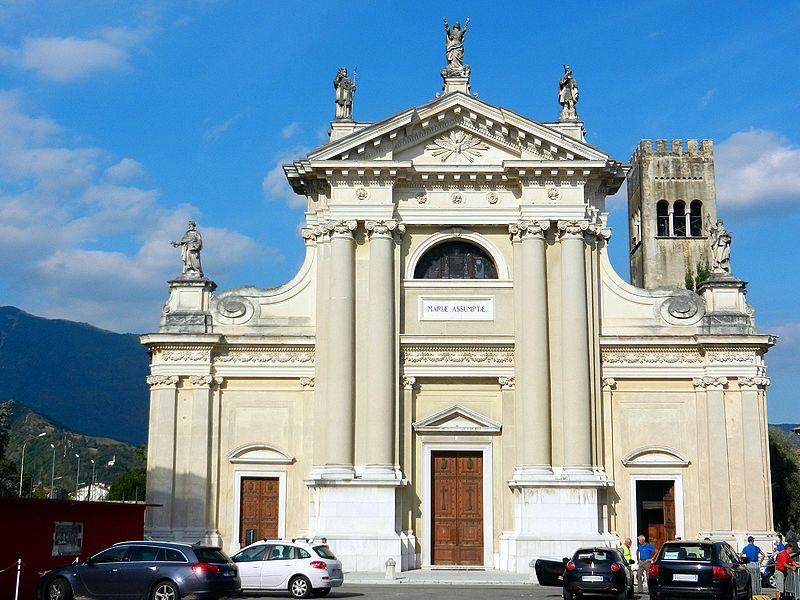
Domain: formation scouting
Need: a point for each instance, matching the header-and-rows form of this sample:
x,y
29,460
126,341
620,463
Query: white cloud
x,y
757,168
125,170
275,185
290,130
789,334
213,133
85,245
706,98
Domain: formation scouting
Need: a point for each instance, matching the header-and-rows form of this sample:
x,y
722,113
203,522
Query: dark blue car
x,y
145,570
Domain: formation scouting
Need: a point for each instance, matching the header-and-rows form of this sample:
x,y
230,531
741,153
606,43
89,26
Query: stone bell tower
x,y
671,204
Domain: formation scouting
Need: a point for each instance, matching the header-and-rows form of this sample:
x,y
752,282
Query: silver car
x,y
298,566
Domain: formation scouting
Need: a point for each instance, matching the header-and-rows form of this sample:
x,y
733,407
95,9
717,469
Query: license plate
x,y
227,573
337,573
681,577
592,578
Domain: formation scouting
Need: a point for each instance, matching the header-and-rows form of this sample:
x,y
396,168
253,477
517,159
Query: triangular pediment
x,y
457,419
457,129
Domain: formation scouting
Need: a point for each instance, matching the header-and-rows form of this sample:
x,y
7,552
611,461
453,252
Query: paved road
x,y
461,592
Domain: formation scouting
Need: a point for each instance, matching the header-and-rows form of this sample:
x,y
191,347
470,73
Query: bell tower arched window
x,y
662,219
679,219
455,260
696,219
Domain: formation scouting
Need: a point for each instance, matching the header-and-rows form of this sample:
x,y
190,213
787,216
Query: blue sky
x,y
121,120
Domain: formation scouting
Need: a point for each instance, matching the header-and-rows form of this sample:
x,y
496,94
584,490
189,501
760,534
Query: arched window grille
x,y
455,260
679,219
662,219
696,218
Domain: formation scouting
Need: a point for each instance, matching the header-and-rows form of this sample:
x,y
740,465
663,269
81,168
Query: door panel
x,y
259,509
457,523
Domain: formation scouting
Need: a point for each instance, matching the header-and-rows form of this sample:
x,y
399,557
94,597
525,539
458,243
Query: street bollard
x,y
532,570
19,569
390,565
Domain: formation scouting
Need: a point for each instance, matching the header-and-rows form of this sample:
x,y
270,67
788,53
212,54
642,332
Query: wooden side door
x,y
457,523
259,509
669,512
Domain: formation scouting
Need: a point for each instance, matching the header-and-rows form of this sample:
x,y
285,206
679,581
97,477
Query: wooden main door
x,y
258,509
457,522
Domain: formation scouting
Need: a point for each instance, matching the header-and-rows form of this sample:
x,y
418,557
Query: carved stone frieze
x,y
713,383
521,229
651,356
753,382
492,197
307,382
362,194
162,380
458,355
724,356
178,354
272,355
457,198
458,144
506,383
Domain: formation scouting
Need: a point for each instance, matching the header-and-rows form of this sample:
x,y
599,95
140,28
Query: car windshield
x,y
596,555
210,555
695,552
324,552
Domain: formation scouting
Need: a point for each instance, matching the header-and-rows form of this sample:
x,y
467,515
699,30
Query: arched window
x,y
662,219
679,219
696,219
455,260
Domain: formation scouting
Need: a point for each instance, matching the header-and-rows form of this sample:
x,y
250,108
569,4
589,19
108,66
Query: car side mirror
x,y
89,562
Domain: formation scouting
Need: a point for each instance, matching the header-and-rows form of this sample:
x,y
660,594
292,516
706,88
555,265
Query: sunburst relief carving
x,y
460,144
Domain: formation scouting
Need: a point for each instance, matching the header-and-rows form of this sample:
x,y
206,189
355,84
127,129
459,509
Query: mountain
x,y
111,458
88,379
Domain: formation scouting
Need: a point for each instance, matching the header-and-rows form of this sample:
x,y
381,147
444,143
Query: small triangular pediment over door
x,y
457,420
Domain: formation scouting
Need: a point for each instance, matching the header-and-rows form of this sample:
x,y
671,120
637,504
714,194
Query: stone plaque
x,y
456,309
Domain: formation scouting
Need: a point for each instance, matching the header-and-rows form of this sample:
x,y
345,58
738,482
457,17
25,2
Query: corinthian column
x,y
575,345
341,344
381,354
531,365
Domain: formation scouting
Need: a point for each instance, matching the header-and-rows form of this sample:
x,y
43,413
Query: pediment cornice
x,y
457,419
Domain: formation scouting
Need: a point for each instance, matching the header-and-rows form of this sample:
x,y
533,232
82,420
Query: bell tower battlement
x,y
671,200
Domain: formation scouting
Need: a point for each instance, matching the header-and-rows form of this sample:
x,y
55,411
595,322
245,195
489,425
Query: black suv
x,y
137,570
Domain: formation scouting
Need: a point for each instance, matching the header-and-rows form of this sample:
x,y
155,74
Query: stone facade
x,y
575,390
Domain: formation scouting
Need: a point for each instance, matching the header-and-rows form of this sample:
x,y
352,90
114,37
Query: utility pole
x,y
22,463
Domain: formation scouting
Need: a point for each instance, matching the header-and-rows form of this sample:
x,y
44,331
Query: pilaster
x,y
161,455
756,482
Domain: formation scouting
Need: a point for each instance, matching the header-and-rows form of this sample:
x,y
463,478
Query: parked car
x,y
601,571
768,573
695,569
145,569
302,567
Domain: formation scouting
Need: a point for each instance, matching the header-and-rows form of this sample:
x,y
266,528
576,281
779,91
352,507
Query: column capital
x,y
162,381
334,228
526,229
609,383
506,383
312,233
205,380
384,228
409,382
711,383
307,382
753,382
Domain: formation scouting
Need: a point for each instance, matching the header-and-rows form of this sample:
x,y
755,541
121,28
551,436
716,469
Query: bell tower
x,y
671,204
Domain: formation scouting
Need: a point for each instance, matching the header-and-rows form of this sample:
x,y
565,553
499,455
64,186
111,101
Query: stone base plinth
x,y
190,535
360,520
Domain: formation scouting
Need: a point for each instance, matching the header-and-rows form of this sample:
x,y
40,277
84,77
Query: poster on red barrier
x,y
67,538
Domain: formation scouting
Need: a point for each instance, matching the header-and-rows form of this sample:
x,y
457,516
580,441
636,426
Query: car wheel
x,y
568,595
59,589
321,592
771,581
165,590
300,587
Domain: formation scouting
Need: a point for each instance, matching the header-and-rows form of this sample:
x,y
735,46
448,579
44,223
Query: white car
x,y
300,566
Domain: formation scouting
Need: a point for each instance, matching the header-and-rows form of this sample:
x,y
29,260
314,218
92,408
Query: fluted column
x,y
341,345
532,362
575,345
381,353
161,451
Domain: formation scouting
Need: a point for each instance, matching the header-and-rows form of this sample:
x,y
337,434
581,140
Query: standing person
x,y
626,550
783,566
755,556
644,556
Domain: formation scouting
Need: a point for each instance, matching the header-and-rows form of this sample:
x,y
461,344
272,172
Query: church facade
x,y
457,375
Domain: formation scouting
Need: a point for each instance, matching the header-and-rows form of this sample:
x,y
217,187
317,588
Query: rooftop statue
x,y
345,89
720,247
454,48
190,246
568,96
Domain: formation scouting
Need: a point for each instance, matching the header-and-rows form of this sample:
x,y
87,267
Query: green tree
x,y
132,484
9,474
785,469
